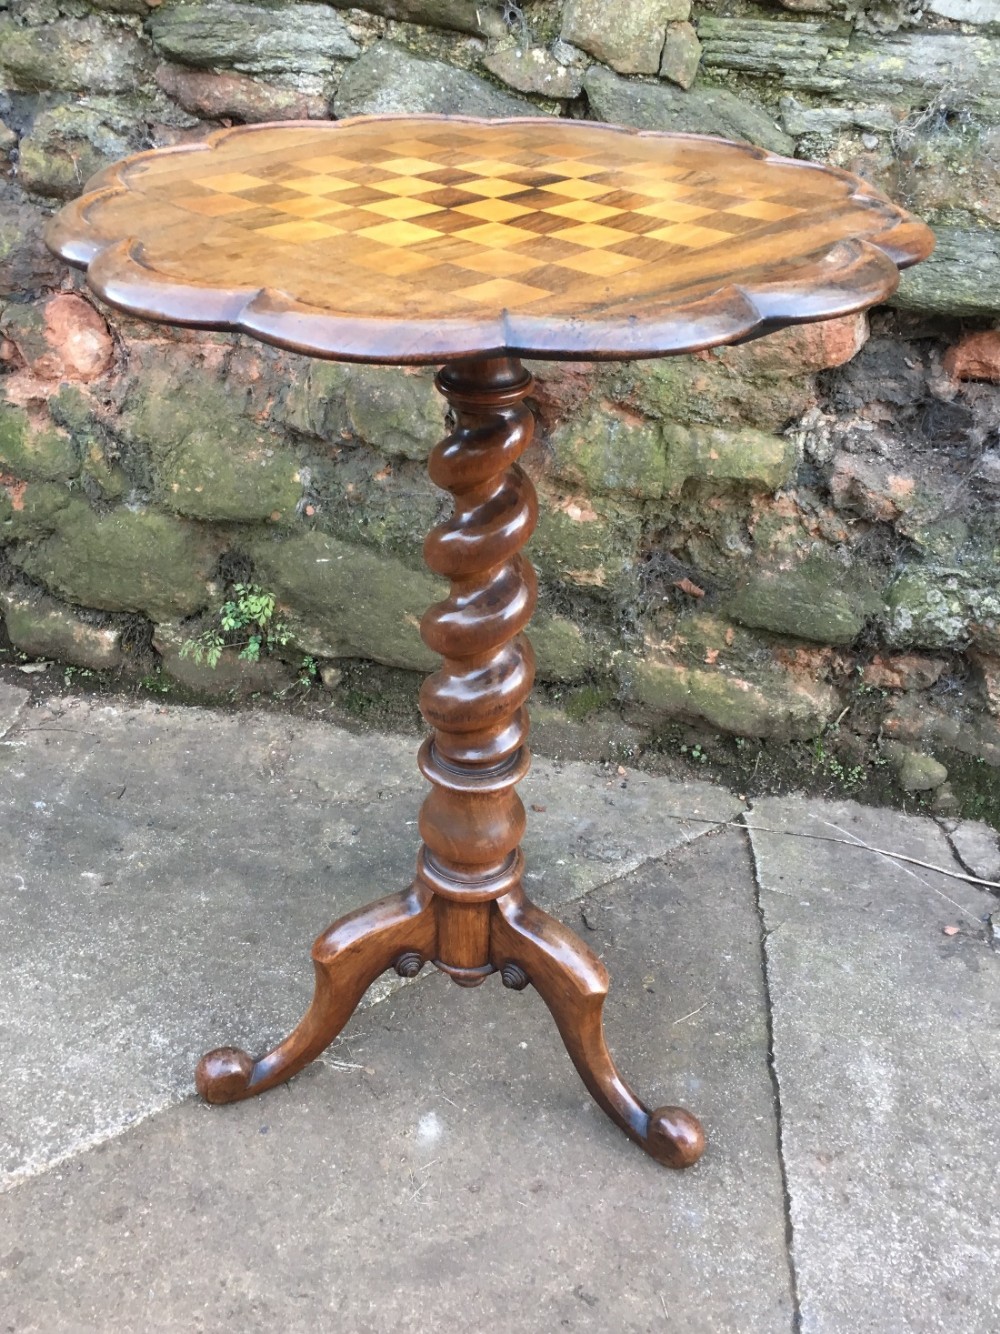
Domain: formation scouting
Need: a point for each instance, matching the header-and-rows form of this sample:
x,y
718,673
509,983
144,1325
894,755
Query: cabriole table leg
x,y
466,911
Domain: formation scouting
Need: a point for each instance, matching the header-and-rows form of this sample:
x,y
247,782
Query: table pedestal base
x,y
466,911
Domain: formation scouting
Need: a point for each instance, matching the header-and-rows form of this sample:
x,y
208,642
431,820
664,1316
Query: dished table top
x,y
421,239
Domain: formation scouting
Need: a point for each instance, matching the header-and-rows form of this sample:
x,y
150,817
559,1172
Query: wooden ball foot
x,y
675,1138
224,1075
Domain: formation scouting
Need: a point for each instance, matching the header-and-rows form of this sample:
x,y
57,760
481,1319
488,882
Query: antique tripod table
x,y
468,244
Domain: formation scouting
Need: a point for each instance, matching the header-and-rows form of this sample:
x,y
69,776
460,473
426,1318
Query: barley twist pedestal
x,y
469,244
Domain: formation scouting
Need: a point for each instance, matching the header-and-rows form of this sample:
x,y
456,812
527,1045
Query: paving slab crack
x,y
772,1068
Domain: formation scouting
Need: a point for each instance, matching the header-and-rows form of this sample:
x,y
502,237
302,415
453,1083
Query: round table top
x,y
426,238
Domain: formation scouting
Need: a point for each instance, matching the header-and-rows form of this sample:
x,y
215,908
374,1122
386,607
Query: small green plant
x,y
246,621
695,753
72,674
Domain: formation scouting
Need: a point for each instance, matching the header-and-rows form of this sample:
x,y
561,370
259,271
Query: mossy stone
x,y
562,652
692,391
73,55
209,460
769,707
756,459
587,543
68,143
31,509
398,412
36,453
941,606
817,599
45,628
130,560
603,451
345,601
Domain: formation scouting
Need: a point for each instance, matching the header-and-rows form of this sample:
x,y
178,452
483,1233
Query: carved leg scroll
x,y
348,958
530,946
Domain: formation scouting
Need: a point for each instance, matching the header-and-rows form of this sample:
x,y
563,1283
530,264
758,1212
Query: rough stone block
x,y
72,55
699,111
750,458
627,35
26,264
962,276
30,509
915,771
769,707
714,389
471,16
818,599
215,96
34,449
681,55
938,605
607,452
64,340
300,44
976,356
129,560
229,676
966,11
398,412
67,144
44,628
799,349
533,69
586,542
343,601
209,459
389,80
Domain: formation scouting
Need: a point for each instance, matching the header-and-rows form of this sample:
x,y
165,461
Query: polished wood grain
x,y
425,239
466,911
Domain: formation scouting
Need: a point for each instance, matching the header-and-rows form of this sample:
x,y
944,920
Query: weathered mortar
x,y
731,539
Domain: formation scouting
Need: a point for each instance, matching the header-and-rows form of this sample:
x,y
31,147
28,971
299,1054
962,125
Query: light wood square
x,y
567,167
404,186
310,207
408,166
401,207
576,189
399,233
493,210
591,235
496,235
690,235
319,185
498,263
763,210
216,206
584,210
502,291
488,166
491,189
328,162
232,182
600,263
394,263
674,210
300,231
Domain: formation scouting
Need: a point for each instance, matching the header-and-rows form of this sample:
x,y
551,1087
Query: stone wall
x,y
791,540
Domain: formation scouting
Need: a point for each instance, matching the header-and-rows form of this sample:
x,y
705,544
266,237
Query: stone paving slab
x,y
886,1037
452,1172
164,871
12,701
